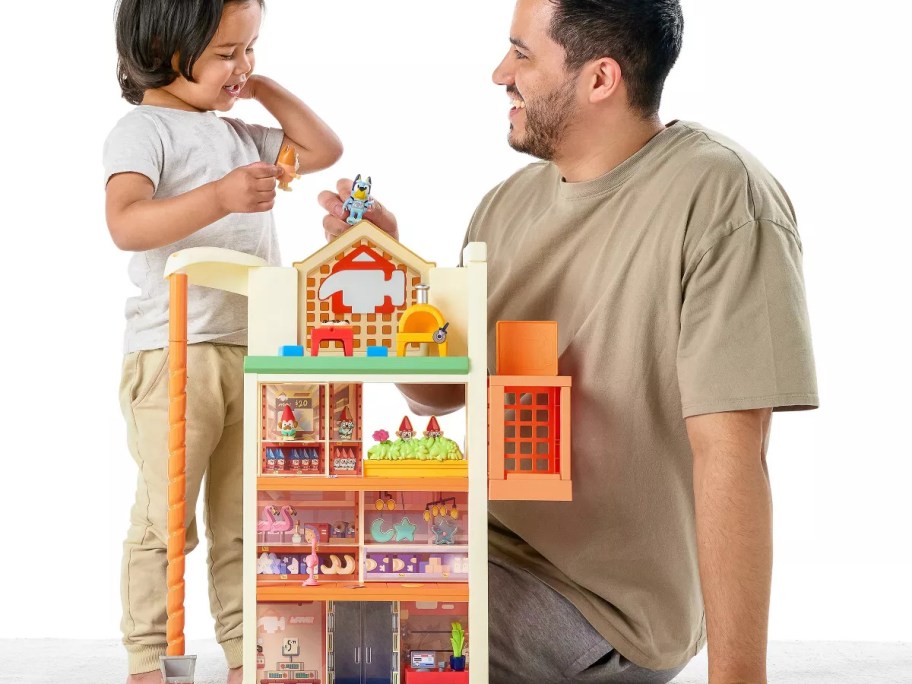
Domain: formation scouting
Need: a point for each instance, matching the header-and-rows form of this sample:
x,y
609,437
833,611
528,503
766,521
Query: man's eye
x,y
519,55
250,49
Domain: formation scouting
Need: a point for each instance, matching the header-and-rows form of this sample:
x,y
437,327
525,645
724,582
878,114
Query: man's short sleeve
x,y
745,338
134,146
268,141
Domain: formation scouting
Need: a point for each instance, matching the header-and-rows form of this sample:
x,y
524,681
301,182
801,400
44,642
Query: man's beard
x,y
547,119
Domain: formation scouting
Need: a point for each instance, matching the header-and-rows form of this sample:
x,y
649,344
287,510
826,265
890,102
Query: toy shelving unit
x,y
387,573
352,561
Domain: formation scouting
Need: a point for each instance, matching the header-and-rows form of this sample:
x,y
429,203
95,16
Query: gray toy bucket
x,y
178,669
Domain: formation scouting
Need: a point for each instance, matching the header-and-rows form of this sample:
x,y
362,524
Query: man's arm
x,y
734,539
433,400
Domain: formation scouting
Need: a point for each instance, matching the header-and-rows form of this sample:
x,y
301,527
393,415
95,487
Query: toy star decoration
x,y
444,531
405,530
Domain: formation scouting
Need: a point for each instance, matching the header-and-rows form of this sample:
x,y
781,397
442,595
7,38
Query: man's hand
x,y
734,539
334,222
248,189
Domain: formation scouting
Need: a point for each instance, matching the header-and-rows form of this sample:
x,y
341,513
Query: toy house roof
x,y
364,229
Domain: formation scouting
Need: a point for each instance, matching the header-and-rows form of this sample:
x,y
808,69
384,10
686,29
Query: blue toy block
x,y
291,350
377,351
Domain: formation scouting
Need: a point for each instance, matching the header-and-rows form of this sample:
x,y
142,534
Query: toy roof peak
x,y
353,236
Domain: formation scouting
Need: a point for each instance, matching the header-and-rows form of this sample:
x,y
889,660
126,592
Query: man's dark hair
x,y
150,32
642,36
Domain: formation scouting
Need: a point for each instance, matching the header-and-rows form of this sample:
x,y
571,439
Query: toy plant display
x,y
457,640
409,448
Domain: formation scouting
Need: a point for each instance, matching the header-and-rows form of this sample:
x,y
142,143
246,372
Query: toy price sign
x,y
303,409
295,403
290,647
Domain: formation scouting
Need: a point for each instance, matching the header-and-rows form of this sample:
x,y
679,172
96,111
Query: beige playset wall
x,y
448,293
302,620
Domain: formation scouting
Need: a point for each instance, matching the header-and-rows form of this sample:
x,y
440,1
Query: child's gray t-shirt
x,y
179,151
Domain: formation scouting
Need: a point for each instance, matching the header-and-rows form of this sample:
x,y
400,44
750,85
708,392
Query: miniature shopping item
x,y
312,561
268,519
433,428
359,201
457,641
285,523
288,426
346,424
405,431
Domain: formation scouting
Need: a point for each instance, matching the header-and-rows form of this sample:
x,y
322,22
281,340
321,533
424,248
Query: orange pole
x,y
177,461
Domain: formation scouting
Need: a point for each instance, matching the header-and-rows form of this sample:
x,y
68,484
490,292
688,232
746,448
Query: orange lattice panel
x,y
531,430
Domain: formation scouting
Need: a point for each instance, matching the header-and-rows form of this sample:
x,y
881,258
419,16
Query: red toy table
x,y
435,677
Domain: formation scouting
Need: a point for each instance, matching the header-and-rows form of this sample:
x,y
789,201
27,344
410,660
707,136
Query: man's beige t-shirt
x,y
676,283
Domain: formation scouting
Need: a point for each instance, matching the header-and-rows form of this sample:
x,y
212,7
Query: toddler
x,y
178,176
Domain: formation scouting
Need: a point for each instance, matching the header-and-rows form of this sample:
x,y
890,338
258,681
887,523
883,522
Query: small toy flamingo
x,y
269,519
286,523
312,560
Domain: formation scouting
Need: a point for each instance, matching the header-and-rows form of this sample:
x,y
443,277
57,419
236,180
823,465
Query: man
x,y
671,261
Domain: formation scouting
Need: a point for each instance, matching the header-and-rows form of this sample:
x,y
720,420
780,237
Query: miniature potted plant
x,y
457,640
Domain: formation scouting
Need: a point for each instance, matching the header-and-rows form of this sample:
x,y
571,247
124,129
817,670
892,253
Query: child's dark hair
x,y
150,32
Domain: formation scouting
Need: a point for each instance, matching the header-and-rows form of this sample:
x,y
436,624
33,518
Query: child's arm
x,y
138,222
317,146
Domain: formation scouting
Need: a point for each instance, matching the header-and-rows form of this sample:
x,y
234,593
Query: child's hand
x,y
248,189
334,222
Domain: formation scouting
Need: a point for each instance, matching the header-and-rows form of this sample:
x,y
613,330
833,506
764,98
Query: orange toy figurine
x,y
288,162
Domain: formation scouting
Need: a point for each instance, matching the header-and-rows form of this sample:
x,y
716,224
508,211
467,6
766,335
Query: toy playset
x,y
366,559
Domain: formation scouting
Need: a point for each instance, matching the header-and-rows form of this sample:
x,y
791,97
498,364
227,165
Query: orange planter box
x,y
416,468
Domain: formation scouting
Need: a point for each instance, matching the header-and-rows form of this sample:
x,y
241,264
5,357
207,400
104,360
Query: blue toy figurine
x,y
359,201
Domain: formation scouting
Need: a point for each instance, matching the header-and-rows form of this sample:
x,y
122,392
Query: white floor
x,y
103,662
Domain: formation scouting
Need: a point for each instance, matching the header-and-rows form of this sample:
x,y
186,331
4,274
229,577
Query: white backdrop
x,y
817,94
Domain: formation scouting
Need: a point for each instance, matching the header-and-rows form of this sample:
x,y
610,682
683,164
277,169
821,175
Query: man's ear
x,y
604,78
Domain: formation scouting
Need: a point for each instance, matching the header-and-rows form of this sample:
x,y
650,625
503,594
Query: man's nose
x,y
503,75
